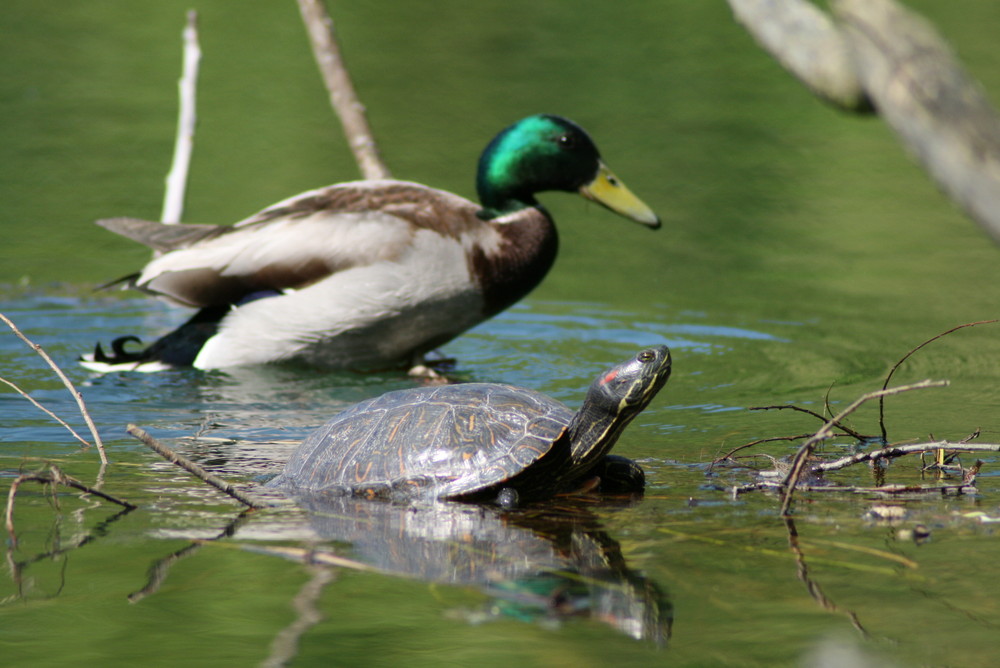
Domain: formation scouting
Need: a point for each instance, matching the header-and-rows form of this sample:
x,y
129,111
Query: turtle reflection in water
x,y
543,564
480,441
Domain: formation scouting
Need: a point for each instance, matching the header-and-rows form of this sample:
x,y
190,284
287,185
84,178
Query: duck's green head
x,y
546,152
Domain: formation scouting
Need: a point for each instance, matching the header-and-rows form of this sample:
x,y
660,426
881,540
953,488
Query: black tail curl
x,y
118,353
178,348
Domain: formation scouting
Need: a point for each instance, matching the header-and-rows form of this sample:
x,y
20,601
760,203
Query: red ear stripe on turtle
x,y
610,377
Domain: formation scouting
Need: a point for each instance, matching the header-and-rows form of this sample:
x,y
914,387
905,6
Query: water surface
x,y
802,255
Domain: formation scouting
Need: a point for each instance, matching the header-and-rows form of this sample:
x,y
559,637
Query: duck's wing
x,y
297,242
161,236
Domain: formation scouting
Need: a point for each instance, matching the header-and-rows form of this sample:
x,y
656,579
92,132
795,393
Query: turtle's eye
x,y
646,356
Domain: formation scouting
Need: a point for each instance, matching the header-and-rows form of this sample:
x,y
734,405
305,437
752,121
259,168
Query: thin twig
x,y
191,467
826,431
881,401
173,200
61,478
66,381
342,94
728,455
821,418
42,408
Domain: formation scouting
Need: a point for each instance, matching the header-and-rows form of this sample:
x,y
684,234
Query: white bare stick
x,y
900,450
173,200
342,94
66,381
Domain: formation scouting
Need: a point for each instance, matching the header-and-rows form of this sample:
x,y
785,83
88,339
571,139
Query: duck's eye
x,y
646,356
567,141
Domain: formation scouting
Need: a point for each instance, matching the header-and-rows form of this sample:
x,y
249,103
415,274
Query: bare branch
x,y
886,491
894,451
42,408
66,381
881,401
342,94
879,54
826,431
938,110
173,201
847,430
772,439
301,555
191,467
807,43
52,477
9,510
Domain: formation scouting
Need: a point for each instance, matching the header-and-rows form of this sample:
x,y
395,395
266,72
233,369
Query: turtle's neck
x,y
593,431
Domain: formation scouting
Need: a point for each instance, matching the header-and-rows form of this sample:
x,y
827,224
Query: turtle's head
x,y
614,398
629,387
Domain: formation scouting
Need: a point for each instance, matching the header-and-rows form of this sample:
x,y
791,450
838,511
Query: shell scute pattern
x,y
459,438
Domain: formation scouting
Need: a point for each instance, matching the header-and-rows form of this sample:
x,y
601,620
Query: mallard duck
x,y
367,274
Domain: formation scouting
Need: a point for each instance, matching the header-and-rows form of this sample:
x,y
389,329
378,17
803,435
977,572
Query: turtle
x,y
480,441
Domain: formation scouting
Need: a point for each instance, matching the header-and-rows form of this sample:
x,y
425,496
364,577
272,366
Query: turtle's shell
x,y
447,442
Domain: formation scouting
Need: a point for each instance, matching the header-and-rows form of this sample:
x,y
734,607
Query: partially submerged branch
x,y
826,431
883,491
803,463
53,476
318,557
191,467
772,439
894,451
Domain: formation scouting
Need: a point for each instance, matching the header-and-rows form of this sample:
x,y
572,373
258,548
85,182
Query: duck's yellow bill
x,y
608,190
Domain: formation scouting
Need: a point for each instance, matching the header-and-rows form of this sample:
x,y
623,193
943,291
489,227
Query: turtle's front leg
x,y
619,475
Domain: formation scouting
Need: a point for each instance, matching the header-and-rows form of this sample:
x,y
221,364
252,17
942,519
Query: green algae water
x,y
802,254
